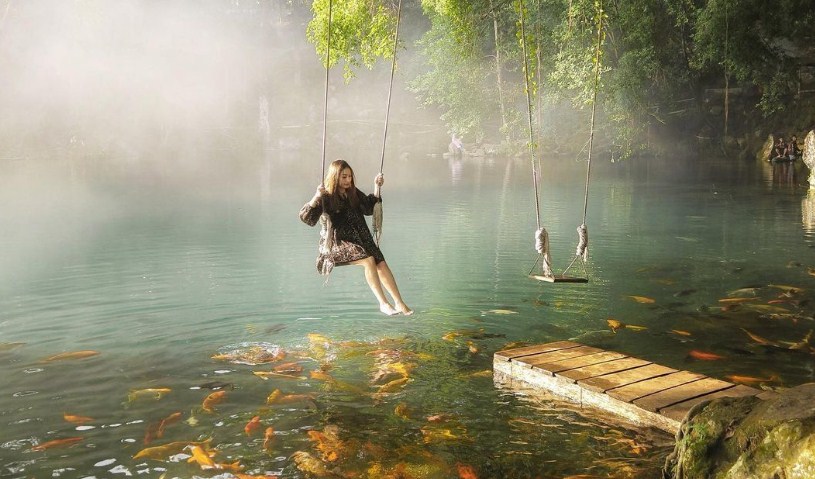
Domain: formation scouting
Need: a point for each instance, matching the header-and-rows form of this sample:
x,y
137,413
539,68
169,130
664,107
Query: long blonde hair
x,y
332,180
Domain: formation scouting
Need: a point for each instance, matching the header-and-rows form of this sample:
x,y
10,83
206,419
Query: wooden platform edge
x,y
662,407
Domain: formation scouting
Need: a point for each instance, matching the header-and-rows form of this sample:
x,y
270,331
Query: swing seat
x,y
559,278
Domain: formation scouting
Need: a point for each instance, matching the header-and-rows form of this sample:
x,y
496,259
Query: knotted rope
x,y
377,215
541,236
327,229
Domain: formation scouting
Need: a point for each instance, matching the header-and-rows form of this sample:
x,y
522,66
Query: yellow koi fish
x,y
213,399
153,393
70,355
643,299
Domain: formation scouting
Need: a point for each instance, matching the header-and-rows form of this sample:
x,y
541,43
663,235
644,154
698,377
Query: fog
x,y
101,101
180,90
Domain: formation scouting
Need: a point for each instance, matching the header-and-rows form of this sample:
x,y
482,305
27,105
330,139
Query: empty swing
x,y
541,235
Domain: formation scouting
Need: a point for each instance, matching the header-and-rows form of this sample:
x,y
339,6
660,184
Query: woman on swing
x,y
352,243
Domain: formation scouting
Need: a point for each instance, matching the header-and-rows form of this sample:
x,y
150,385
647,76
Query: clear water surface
x,y
157,281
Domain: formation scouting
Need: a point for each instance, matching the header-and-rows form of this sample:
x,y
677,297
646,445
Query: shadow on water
x,y
190,288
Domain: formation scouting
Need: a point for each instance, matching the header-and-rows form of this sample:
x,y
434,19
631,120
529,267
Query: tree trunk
x,y
498,68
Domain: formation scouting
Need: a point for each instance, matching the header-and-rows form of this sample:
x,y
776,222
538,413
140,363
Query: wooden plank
x,y
579,362
614,380
543,358
509,354
602,368
640,389
657,401
558,278
679,411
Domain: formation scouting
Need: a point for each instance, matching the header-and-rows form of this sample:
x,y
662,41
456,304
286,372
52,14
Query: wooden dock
x,y
639,391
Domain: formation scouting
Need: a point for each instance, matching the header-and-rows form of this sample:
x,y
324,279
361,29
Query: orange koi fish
x,y
643,299
465,471
150,433
268,438
751,379
680,332
277,397
704,356
252,425
68,441
172,418
320,375
70,355
76,419
210,401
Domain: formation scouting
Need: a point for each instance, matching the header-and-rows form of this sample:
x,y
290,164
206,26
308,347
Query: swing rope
x,y
541,236
325,103
327,229
582,250
378,214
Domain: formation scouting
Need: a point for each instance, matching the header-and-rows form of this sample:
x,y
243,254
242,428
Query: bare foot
x,y
404,309
388,309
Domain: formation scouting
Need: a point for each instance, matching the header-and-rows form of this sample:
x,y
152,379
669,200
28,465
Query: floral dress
x,y
352,239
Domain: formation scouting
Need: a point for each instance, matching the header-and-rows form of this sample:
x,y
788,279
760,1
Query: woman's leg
x,y
372,277
387,280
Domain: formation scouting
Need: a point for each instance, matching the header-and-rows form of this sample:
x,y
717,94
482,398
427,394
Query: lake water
x,y
158,280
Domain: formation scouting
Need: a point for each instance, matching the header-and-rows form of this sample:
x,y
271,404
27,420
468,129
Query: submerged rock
x,y
746,437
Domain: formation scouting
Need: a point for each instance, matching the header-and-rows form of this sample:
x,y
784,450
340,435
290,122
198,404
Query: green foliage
x,y
361,32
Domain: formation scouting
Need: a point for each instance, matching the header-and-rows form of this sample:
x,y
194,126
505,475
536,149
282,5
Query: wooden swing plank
x,y
559,278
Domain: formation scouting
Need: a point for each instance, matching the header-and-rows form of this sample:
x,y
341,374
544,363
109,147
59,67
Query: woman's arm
x,y
311,211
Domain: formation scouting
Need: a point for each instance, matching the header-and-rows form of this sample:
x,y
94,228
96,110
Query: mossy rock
x,y
741,438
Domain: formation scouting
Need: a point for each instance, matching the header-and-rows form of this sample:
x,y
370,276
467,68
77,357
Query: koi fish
x,y
172,418
680,332
203,458
265,375
738,300
751,379
309,464
759,339
704,356
70,355
252,425
472,347
4,347
154,393
250,476
277,397
643,299
451,336
786,288
68,441
212,399
634,327
320,375
393,385
76,419
150,433
500,311
465,471
402,410
811,271
614,324
268,438
161,453
291,368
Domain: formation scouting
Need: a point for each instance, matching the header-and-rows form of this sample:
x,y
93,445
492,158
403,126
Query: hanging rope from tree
x,y
377,215
582,250
327,229
541,236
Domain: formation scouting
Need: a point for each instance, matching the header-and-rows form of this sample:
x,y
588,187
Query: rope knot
x,y
582,242
542,247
